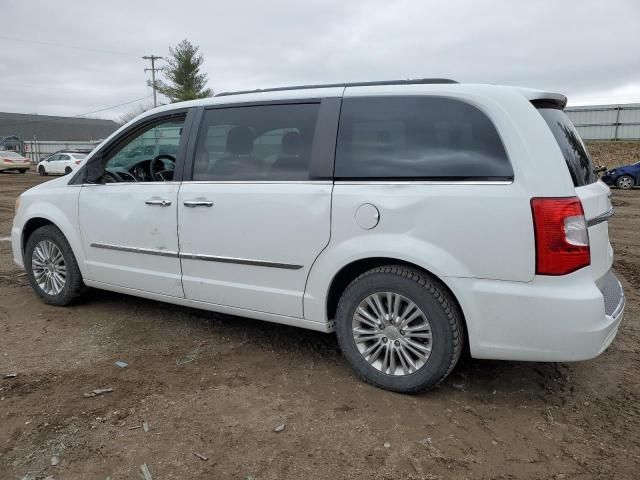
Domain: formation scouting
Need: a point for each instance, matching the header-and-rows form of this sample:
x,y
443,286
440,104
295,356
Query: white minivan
x,y
412,218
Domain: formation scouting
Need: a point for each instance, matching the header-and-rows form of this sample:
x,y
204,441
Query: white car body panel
x,y
282,223
596,200
114,217
56,202
476,237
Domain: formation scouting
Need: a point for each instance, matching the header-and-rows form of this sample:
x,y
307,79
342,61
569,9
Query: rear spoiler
x,y
544,99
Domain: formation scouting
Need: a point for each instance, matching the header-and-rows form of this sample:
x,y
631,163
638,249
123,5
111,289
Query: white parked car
x,y
61,163
411,218
10,160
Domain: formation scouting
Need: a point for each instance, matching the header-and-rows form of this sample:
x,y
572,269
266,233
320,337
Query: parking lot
x,y
217,386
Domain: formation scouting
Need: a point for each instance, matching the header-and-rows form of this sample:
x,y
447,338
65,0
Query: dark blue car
x,y
624,177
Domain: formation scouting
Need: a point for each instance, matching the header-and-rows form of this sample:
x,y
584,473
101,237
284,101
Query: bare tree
x,y
133,113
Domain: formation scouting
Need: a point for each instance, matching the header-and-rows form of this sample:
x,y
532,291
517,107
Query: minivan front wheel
x,y
399,328
51,267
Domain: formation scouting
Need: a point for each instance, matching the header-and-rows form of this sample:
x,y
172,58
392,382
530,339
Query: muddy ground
x,y
218,386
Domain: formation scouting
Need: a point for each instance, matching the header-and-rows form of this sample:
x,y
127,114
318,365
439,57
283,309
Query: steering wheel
x,y
157,168
114,176
110,177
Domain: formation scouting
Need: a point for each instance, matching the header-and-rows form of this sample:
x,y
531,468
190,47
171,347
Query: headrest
x,y
240,141
291,143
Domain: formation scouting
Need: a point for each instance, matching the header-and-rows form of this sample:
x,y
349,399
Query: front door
x,y
128,221
253,219
54,164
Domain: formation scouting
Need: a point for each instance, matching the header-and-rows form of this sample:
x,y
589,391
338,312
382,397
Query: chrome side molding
x,y
196,256
240,261
601,218
146,251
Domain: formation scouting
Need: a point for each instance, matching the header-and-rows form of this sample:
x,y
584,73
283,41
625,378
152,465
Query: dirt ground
x,y
218,386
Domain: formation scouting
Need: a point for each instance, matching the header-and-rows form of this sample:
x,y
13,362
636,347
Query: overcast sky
x,y
69,57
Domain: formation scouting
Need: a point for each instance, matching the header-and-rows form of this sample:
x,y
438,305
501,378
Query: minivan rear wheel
x,y
625,182
399,328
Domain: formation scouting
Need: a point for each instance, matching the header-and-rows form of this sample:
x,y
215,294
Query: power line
x,y
114,106
60,45
153,70
59,118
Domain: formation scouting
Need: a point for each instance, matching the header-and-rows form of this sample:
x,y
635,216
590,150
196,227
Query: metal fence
x,y
35,150
607,122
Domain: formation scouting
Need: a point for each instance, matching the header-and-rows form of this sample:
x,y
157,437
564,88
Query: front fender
x,y
58,206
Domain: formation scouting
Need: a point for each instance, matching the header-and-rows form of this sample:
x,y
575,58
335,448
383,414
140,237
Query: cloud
x,y
70,56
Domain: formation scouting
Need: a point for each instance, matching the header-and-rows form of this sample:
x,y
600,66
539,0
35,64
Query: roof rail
x,y
416,81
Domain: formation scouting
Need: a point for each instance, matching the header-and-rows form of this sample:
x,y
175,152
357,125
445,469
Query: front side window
x,y
417,138
148,156
266,142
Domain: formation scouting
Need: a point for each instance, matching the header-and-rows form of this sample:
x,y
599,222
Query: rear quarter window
x,y
573,149
417,137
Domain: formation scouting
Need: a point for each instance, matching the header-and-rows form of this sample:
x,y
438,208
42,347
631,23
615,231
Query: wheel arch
x,y
31,226
37,221
354,269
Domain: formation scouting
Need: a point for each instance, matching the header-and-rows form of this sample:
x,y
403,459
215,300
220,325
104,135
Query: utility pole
x,y
153,69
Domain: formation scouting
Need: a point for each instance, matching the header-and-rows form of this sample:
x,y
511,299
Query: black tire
x,y
67,170
73,286
625,182
22,170
42,171
432,298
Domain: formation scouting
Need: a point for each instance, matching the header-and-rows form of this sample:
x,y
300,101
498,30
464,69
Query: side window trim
x,y
322,148
103,155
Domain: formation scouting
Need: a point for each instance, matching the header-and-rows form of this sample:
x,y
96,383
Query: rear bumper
x,y
15,166
551,319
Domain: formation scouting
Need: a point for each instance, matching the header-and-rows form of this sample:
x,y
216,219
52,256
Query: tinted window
x,y
417,137
268,142
573,150
135,159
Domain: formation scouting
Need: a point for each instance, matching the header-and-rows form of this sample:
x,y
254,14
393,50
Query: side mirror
x,y
95,172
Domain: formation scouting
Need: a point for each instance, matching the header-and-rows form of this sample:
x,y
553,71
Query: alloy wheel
x,y
49,268
392,333
625,182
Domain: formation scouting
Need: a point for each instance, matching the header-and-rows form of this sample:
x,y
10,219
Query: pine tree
x,y
184,80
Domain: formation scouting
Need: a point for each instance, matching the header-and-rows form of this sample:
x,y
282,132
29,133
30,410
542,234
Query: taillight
x,y
562,238
7,160
78,162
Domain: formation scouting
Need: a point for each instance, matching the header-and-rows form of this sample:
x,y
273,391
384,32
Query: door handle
x,y
198,203
162,203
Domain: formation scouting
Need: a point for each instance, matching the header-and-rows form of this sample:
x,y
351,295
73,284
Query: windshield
x,y
78,156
